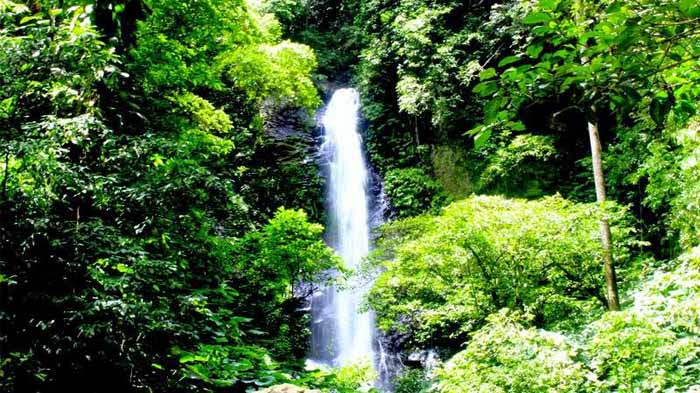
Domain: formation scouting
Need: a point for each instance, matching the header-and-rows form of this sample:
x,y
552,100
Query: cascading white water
x,y
341,333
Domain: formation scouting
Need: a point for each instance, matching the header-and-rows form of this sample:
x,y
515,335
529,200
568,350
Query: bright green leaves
x,y
225,366
7,108
447,273
175,48
295,248
414,97
486,89
536,18
652,346
508,356
487,74
247,54
202,127
534,50
292,65
288,251
690,8
593,56
481,138
11,7
203,114
280,72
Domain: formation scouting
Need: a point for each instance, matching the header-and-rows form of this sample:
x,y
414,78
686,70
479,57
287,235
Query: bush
x,y
355,377
506,356
653,346
412,192
522,167
444,275
412,381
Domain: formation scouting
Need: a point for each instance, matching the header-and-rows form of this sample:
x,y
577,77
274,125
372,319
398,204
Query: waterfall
x,y
341,334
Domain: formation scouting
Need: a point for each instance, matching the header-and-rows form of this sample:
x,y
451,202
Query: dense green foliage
x,y
507,357
495,97
411,191
136,251
442,276
651,346
158,195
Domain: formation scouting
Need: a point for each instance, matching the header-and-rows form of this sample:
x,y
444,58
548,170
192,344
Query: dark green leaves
x,y
659,107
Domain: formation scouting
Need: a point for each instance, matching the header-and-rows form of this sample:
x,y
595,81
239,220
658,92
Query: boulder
x,y
287,388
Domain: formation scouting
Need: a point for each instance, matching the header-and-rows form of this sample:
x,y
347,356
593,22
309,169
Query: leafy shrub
x,y
655,344
357,376
505,356
671,169
412,381
442,276
135,249
411,192
652,346
520,168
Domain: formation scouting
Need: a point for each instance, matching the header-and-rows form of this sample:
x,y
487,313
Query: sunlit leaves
x,y
594,54
508,356
652,346
536,18
445,274
690,8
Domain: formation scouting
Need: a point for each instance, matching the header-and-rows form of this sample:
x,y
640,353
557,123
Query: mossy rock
x,y
287,388
452,169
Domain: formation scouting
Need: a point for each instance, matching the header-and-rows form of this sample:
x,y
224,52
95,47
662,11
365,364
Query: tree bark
x,y
605,236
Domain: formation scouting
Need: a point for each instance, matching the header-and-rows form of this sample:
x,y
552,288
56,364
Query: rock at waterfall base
x,y
287,388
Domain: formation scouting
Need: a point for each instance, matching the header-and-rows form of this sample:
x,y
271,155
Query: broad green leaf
x,y
534,50
486,88
190,357
508,60
536,18
549,5
690,8
487,74
481,139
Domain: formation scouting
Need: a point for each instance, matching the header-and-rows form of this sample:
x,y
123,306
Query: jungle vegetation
x,y
161,229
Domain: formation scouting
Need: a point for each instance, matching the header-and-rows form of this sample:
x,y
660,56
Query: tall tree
x,y
600,60
605,235
599,182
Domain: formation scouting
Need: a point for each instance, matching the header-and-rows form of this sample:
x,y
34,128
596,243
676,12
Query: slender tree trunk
x,y
599,180
415,130
605,237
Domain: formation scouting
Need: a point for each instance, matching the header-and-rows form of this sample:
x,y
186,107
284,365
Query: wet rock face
x,y
287,388
286,122
286,159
